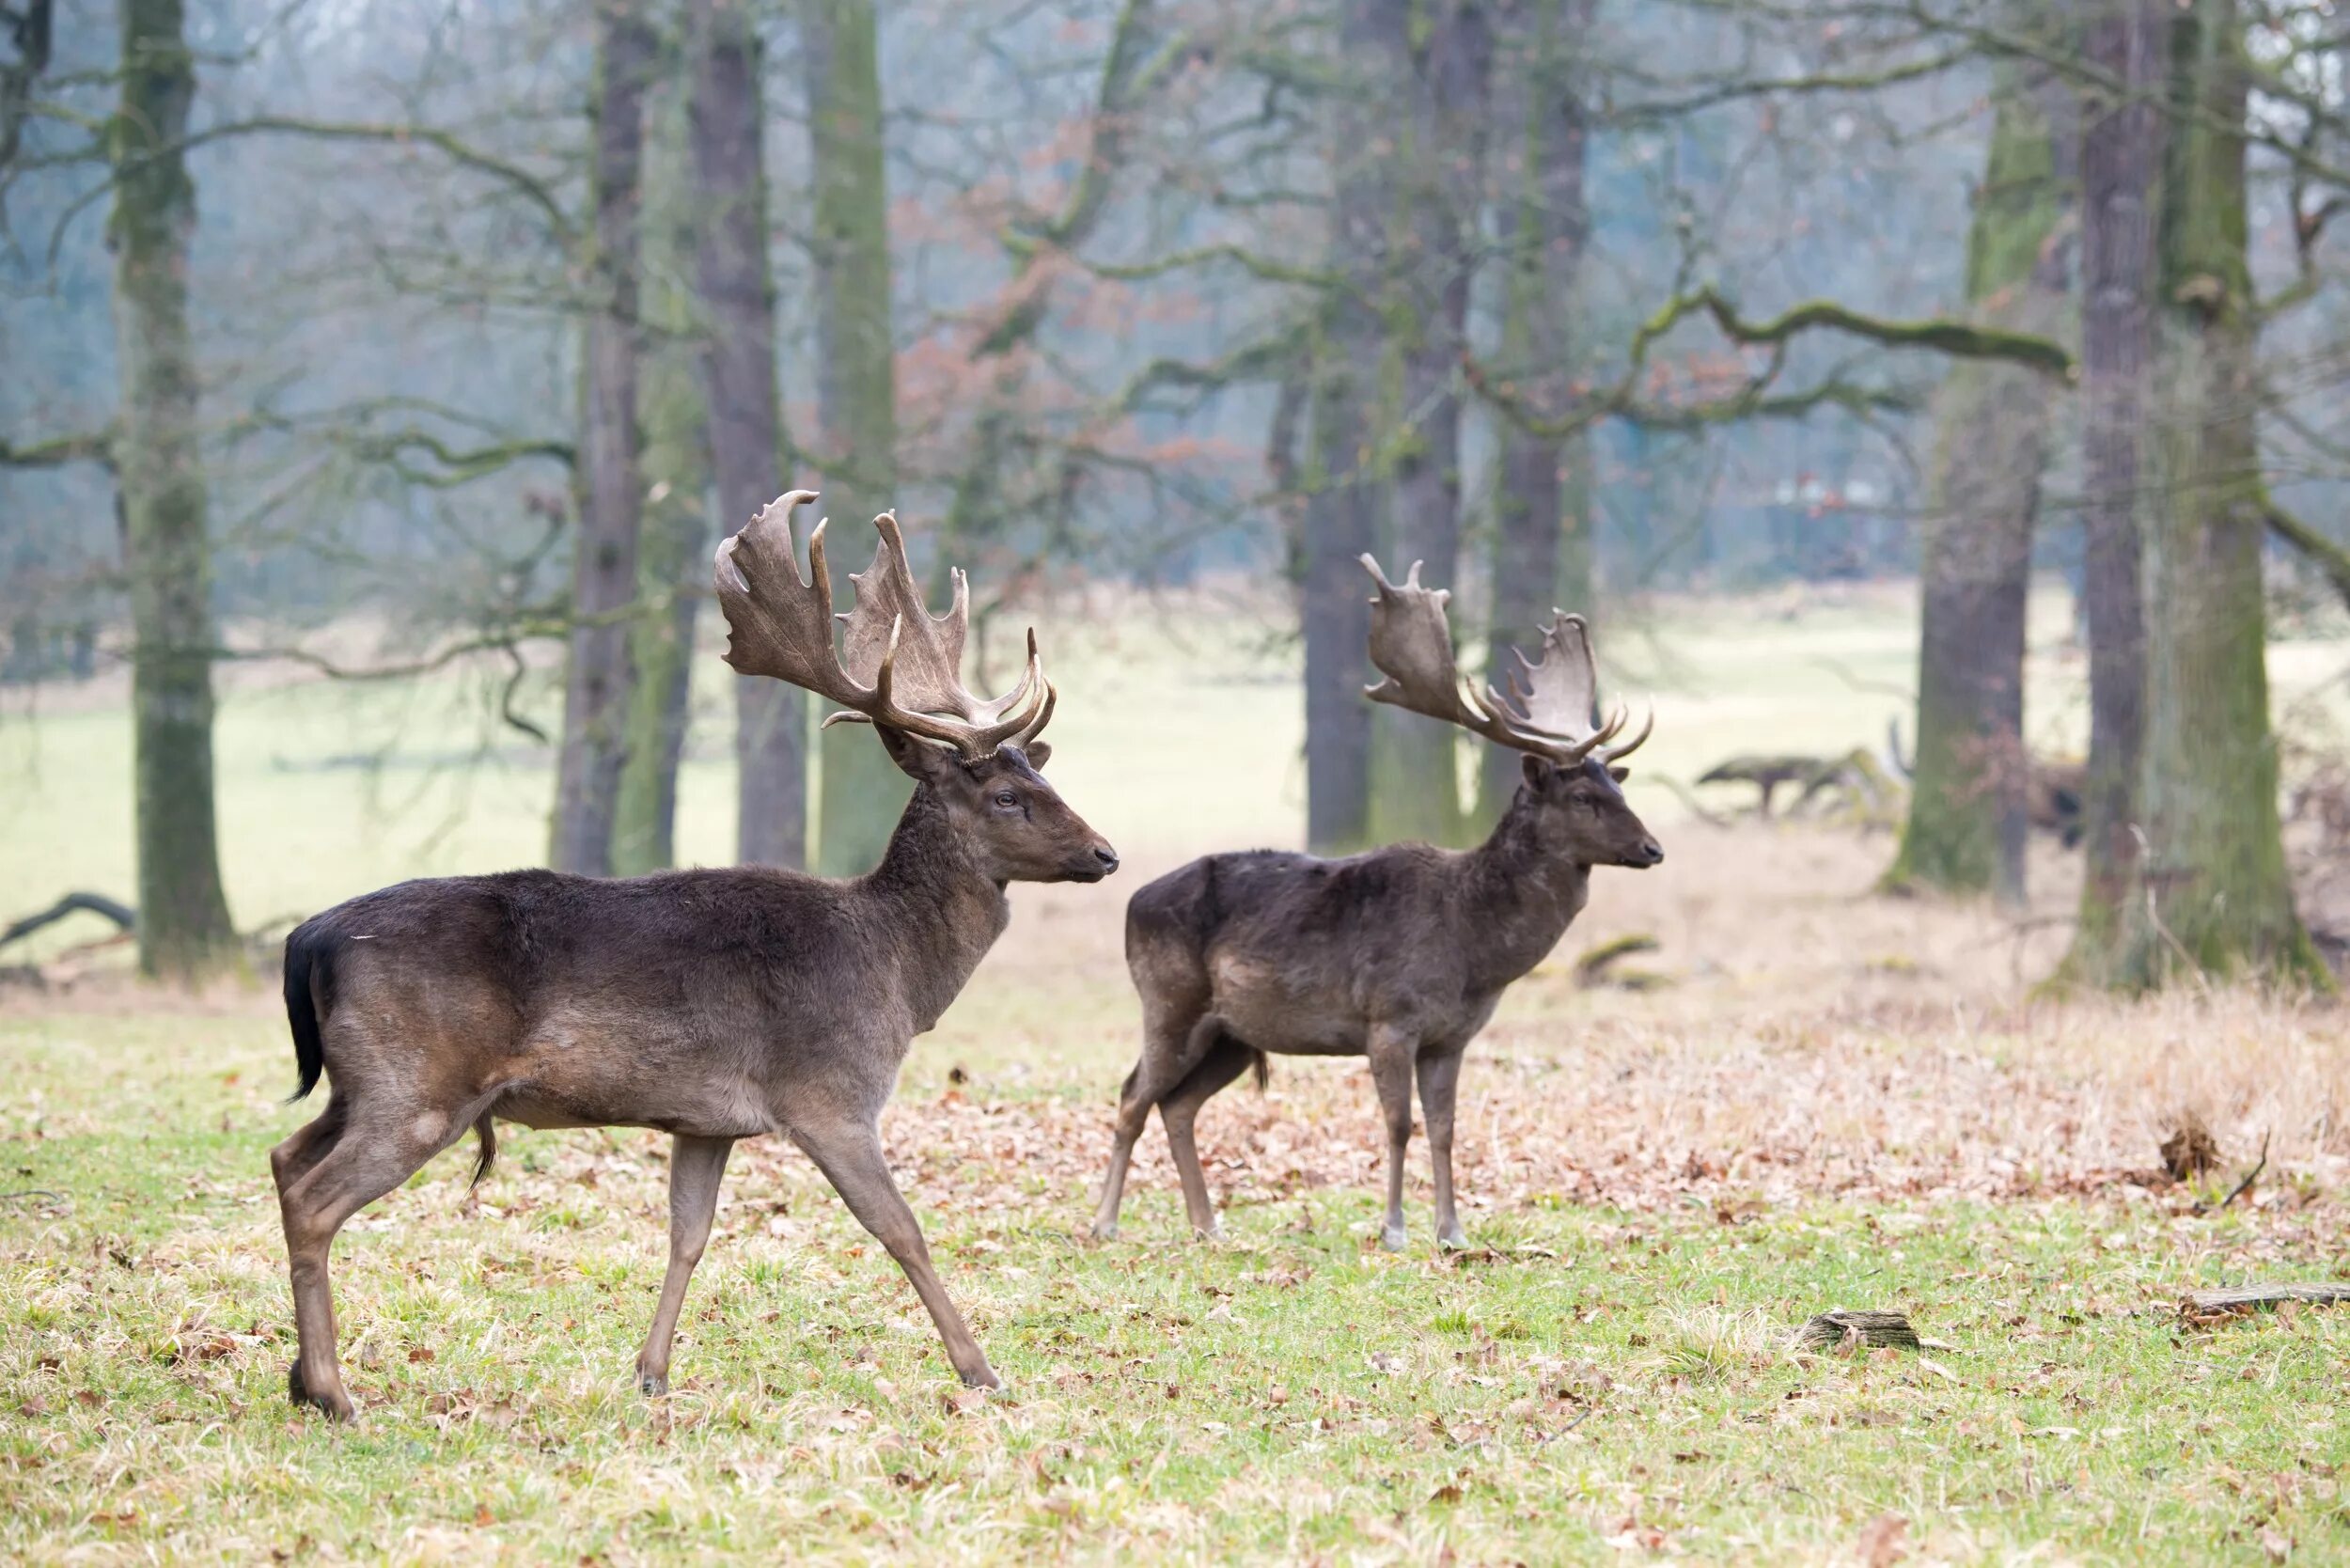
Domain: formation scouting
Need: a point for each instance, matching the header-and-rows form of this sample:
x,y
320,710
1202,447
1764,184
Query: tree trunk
x,y
2122,150
861,791
185,931
603,550
2216,896
1341,514
1335,605
673,553
1438,63
745,420
1542,554
1967,825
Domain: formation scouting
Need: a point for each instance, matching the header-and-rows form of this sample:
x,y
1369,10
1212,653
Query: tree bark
x,y
2122,156
745,419
2217,899
1341,506
673,553
604,551
184,929
1966,824
1437,61
861,791
1542,554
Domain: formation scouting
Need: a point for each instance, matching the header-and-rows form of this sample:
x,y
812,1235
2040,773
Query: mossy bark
x,y
745,417
1542,545
860,792
598,674
2214,898
1966,824
183,926
1436,61
673,549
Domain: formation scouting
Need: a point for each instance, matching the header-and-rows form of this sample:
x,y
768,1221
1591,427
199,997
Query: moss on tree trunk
x,y
860,792
673,547
183,926
1966,824
738,380
598,675
1542,545
2215,898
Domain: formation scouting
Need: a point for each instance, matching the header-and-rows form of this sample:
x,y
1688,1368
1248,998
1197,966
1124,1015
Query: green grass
x,y
1587,1376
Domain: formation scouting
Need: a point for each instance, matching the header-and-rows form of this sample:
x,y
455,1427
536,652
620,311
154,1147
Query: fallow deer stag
x,y
714,1005
1398,954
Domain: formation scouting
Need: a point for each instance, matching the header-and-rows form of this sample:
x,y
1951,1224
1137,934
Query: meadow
x,y
1810,1096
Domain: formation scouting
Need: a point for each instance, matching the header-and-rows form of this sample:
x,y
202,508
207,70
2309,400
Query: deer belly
x,y
1263,1005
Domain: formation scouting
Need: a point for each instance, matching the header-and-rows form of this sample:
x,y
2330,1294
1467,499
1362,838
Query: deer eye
x,y
1006,798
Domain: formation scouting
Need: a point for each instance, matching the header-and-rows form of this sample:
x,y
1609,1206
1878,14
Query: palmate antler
x,y
1548,711
901,666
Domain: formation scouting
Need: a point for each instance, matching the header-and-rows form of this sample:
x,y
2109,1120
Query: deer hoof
x,y
1211,1232
337,1407
1105,1229
1392,1238
652,1385
985,1380
1454,1240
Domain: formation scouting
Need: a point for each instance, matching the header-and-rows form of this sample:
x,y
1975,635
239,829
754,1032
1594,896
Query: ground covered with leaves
x,y
1809,1099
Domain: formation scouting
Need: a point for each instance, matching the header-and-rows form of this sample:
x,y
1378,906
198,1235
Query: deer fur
x,y
1398,955
711,1005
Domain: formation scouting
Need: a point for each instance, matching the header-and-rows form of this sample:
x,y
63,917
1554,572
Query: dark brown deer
x,y
1400,955
714,1005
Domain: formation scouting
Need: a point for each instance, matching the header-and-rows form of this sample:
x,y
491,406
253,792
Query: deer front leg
x,y
1391,1055
696,1165
850,1155
1439,1077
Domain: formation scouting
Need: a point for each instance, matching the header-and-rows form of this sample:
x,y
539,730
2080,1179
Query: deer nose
x,y
1654,851
1106,857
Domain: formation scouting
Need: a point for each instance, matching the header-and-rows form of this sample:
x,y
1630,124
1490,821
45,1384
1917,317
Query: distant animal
x,y
2056,789
712,1005
1398,954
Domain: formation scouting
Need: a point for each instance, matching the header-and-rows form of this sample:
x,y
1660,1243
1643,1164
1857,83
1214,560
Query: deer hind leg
x,y
1391,1056
696,1165
1171,1047
1439,1079
322,1182
1226,1061
850,1155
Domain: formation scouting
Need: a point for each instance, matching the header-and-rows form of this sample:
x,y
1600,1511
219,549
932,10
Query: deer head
x,y
899,668
1572,800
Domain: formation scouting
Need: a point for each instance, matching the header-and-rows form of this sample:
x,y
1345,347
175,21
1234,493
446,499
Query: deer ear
x,y
1537,770
1618,774
1037,753
924,761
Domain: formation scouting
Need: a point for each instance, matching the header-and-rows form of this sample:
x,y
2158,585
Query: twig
x,y
2249,1177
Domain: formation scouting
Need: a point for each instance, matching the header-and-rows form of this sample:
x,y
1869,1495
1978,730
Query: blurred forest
x,y
414,336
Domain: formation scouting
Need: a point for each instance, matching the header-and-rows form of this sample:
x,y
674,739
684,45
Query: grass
x,y
1829,1100
1589,1377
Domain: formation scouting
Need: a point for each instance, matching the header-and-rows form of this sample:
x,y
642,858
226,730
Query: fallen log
x,y
1830,1331
2251,1298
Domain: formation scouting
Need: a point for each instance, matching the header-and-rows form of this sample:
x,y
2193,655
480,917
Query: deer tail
x,y
310,962
1262,1067
485,1128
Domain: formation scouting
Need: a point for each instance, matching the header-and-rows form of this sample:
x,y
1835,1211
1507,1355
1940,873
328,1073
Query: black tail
x,y
306,951
1263,1067
486,1129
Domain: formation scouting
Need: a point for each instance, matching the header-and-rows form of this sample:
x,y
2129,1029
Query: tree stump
x,y
1830,1331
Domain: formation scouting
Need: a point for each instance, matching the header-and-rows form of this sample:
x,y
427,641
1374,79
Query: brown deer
x,y
714,1005
1398,954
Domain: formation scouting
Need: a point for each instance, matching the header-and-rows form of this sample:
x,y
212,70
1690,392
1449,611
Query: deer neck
x,y
1520,897
942,908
